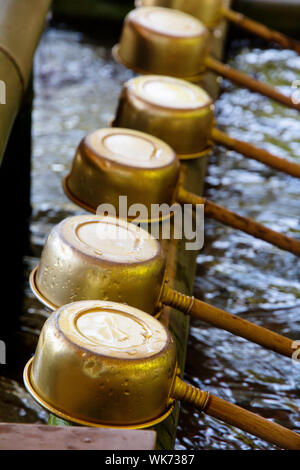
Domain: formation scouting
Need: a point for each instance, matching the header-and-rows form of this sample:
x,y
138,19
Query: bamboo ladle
x,y
211,12
106,258
128,375
114,162
181,114
169,42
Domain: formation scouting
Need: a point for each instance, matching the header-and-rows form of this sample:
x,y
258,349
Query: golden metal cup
x,y
93,257
163,41
117,162
104,364
174,110
207,11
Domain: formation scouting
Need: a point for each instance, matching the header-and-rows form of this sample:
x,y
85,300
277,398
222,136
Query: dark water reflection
x,y
77,87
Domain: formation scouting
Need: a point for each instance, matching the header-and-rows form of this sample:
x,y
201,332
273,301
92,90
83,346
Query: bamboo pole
x,y
260,155
13,97
21,24
239,222
220,319
236,416
261,30
18,150
244,80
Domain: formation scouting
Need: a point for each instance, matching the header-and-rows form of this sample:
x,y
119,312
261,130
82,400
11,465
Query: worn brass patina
x,y
91,257
104,364
163,41
176,111
113,162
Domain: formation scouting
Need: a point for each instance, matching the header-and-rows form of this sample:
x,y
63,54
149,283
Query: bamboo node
x,y
177,300
189,394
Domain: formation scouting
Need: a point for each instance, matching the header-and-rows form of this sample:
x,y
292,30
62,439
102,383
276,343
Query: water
x,y
77,87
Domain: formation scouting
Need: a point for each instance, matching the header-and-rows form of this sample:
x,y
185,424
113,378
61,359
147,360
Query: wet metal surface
x,y
77,86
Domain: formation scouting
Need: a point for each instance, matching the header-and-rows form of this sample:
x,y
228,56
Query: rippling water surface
x,y
77,87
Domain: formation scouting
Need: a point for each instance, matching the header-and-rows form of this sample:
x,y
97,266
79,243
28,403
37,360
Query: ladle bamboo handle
x,y
261,30
239,222
226,321
255,153
236,416
244,80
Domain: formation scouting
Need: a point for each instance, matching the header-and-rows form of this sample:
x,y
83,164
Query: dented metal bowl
x,y
92,257
103,364
207,11
176,111
163,41
115,162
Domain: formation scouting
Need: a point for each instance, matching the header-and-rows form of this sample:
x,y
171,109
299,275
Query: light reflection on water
x,y
77,88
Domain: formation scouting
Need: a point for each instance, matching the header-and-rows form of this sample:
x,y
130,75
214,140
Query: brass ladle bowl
x,y
176,111
93,257
104,364
164,41
112,162
181,114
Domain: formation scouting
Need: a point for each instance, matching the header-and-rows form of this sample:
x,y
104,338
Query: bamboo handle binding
x,y
244,80
261,30
226,321
239,222
236,416
262,156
